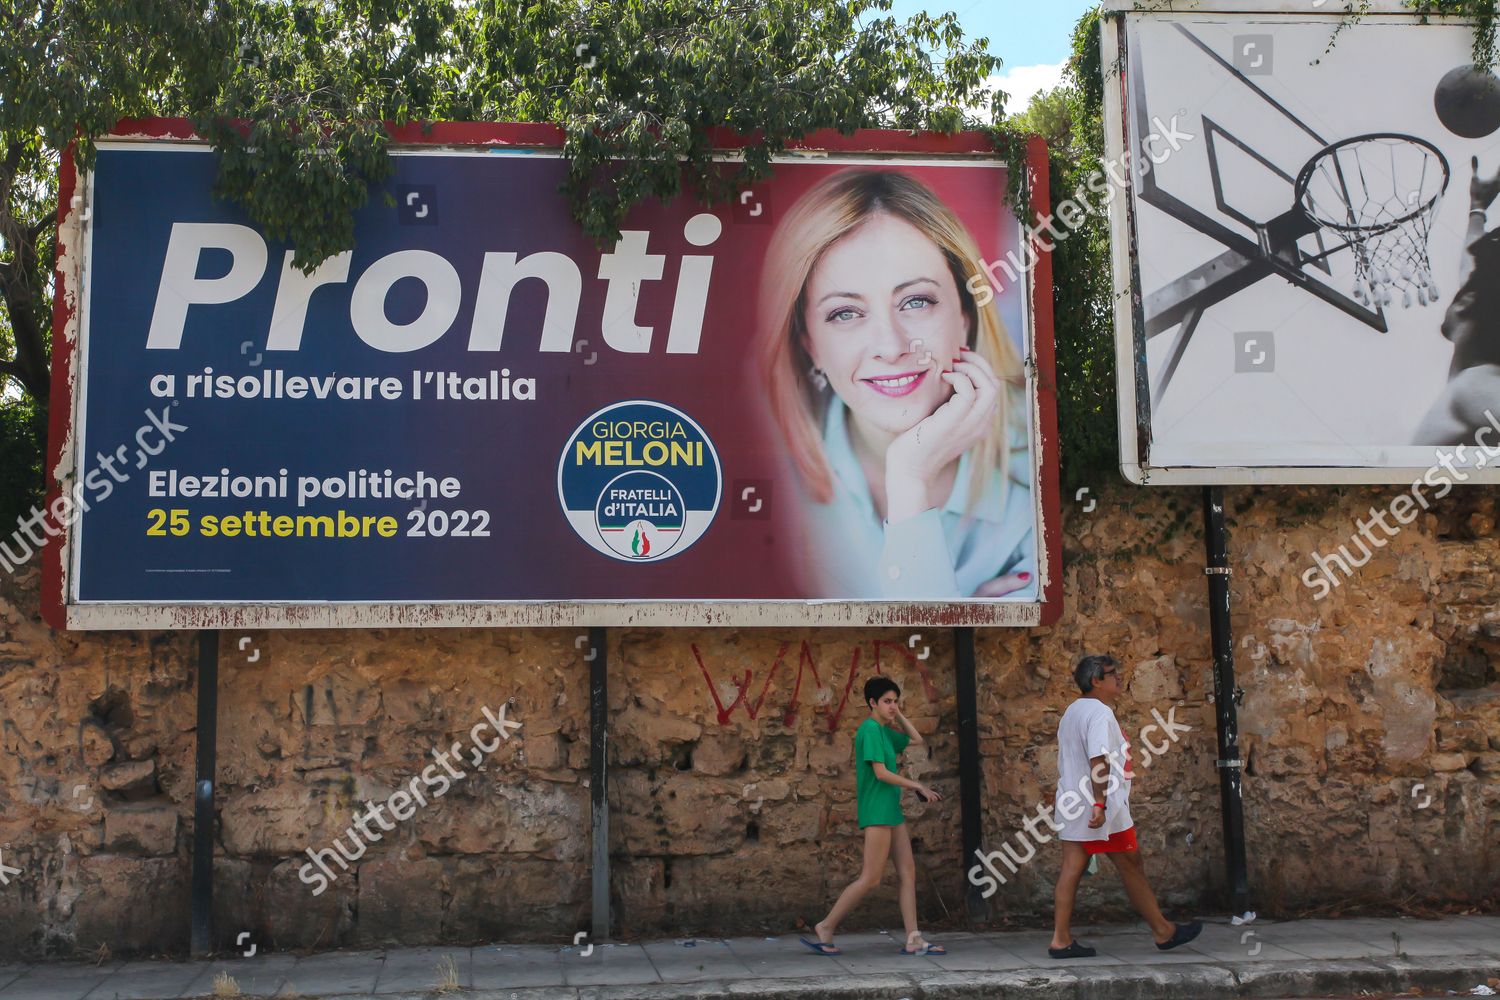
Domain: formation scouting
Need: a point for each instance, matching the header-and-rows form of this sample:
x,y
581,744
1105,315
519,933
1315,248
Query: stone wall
x,y
1370,722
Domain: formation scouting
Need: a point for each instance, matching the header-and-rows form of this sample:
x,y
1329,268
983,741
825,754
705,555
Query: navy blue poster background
x,y
503,453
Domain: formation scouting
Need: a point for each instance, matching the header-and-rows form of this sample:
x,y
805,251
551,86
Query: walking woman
x,y
877,746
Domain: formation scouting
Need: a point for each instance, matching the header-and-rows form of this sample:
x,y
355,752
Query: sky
x,y
1032,37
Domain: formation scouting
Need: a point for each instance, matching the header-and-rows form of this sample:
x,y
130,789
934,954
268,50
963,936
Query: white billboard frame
x,y
1132,380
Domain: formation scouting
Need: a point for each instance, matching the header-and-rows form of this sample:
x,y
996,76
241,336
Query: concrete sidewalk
x,y
1288,959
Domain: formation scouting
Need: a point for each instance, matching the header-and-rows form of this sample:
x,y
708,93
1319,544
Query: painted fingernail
x,y
1024,576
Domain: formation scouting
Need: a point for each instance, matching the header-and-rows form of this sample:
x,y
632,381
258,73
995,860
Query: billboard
x,y
808,406
1303,261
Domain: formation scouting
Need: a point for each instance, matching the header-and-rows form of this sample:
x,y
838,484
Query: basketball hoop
x,y
1380,192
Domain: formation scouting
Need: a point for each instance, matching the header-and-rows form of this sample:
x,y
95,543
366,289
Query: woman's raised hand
x,y
915,461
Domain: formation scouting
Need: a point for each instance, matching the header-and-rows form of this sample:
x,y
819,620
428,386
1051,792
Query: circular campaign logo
x,y
639,481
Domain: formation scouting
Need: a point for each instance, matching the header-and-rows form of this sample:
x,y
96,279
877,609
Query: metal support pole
x,y
202,911
966,689
1226,698
598,777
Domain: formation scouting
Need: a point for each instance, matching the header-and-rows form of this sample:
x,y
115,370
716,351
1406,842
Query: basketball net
x,y
1380,192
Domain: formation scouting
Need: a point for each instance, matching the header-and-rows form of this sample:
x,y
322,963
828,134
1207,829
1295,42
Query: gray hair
x,y
1090,670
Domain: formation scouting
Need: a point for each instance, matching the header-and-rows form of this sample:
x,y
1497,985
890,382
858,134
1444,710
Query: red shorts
x,y
1118,843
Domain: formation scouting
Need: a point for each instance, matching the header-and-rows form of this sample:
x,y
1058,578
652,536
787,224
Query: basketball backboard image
x,y
1295,234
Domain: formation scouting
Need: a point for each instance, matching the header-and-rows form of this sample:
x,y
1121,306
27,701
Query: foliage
x,y
22,431
1481,12
1069,118
71,67
295,94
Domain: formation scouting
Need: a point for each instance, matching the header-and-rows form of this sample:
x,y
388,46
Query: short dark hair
x,y
876,687
1090,670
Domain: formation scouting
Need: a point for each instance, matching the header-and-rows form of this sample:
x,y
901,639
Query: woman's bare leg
x,y
906,875
877,849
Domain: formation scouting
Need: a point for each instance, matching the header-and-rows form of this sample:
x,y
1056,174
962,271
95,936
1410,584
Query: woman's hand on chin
x,y
1001,585
915,461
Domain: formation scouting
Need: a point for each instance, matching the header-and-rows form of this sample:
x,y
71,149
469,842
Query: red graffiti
x,y
805,662
912,660
743,686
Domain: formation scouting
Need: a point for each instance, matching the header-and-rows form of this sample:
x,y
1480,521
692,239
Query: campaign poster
x,y
815,404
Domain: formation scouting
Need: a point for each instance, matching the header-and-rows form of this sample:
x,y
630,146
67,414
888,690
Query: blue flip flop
x,y
820,947
926,949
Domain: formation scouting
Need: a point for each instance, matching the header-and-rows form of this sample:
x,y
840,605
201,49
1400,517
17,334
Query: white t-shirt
x,y
1089,729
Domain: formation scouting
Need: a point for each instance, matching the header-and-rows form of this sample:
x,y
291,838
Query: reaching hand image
x,y
1472,322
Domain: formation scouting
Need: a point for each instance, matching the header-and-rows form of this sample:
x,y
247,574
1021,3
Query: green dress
x,y
878,803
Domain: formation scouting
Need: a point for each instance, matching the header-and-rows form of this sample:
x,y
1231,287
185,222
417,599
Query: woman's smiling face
x,y
883,319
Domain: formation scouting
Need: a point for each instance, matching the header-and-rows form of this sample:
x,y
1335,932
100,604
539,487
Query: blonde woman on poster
x,y
899,398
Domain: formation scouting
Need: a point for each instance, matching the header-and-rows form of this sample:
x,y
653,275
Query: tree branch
x,y
36,229
11,370
17,291
13,153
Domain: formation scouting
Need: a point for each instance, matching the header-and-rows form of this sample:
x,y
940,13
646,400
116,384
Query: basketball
x,y
1468,102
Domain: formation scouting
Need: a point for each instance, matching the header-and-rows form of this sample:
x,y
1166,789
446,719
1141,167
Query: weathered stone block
x,y
831,758
542,819
399,902
296,918
141,828
338,698
1461,735
94,743
514,899
132,904
680,814
791,822
719,754
544,753
132,778
282,821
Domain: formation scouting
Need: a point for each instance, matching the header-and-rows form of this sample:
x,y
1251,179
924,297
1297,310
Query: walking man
x,y
1093,762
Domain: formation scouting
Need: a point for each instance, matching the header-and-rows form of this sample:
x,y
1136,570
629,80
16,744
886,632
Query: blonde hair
x,y
830,210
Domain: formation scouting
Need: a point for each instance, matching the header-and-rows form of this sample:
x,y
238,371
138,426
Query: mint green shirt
x,y
938,555
877,803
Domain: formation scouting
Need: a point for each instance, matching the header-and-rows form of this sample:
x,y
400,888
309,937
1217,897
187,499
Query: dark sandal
x,y
1182,935
1074,950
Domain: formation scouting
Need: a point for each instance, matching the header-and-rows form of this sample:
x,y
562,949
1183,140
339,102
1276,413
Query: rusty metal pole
x,y
202,904
598,777
966,690
1226,699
